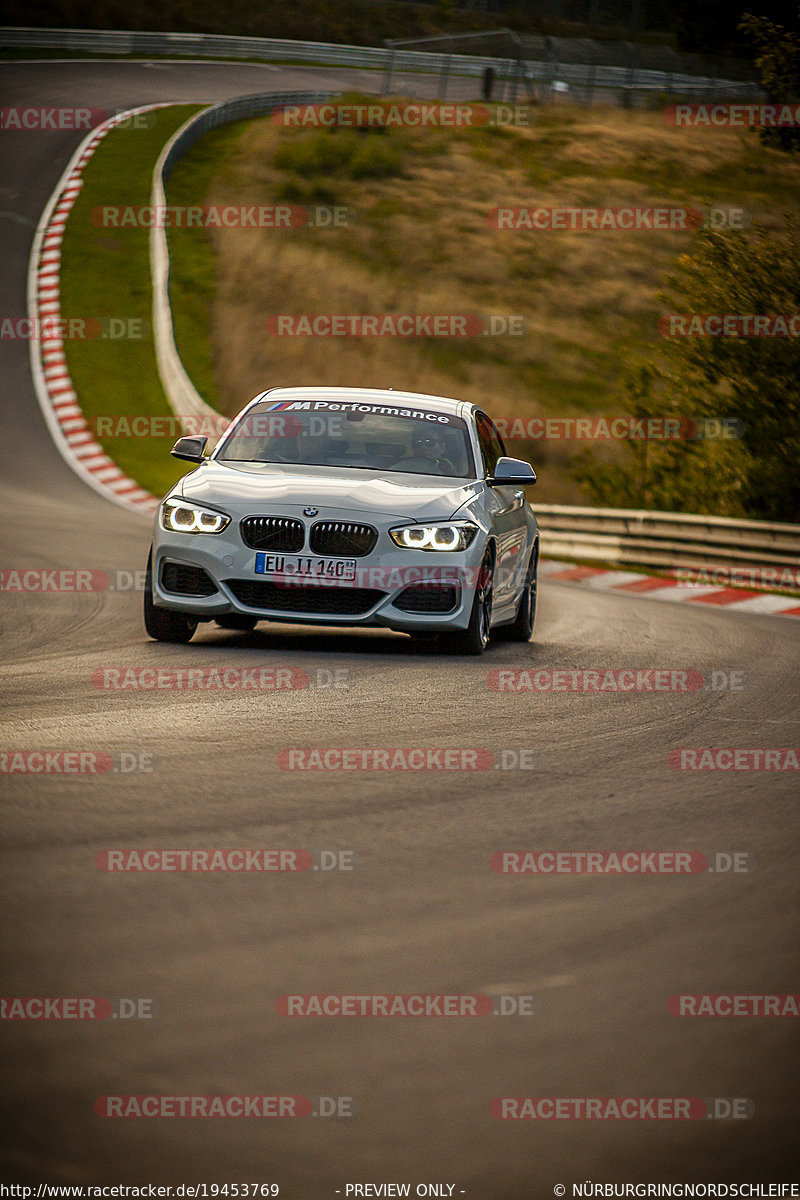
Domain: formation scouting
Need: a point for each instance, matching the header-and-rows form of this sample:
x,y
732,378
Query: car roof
x,y
444,404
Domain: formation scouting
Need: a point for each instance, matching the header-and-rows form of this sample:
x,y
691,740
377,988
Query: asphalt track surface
x,y
421,911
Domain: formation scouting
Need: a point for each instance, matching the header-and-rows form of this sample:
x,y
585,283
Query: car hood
x,y
265,486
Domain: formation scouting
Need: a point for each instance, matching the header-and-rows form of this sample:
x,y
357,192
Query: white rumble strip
x,y
55,393
651,587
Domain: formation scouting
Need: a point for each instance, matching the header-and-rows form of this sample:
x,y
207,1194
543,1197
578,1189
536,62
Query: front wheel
x,y
162,624
521,628
475,638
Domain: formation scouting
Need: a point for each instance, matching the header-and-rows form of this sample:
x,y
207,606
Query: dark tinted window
x,y
492,447
377,436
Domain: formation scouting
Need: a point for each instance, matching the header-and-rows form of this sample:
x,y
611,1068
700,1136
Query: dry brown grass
x,y
421,243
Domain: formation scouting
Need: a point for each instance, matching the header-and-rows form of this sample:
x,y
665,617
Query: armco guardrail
x,y
589,77
632,537
196,45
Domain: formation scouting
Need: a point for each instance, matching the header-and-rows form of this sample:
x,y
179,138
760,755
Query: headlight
x,y
454,535
181,516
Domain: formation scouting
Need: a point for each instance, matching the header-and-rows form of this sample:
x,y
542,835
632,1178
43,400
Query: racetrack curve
x,y
421,911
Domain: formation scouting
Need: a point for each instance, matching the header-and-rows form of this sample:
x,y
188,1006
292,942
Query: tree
x,y
778,60
710,26
751,382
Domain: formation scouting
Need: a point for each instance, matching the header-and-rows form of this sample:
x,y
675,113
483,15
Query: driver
x,y
430,445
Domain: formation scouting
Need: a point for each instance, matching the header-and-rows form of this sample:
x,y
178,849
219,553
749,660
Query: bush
x,y
345,153
751,381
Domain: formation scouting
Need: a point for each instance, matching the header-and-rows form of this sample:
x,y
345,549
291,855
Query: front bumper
x,y
379,595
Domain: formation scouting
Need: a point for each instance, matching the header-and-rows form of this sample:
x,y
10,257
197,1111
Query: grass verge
x,y
418,241
105,276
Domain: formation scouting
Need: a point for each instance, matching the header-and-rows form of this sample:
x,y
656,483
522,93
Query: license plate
x,y
302,566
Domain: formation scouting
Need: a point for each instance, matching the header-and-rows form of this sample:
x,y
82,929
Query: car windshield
x,y
379,437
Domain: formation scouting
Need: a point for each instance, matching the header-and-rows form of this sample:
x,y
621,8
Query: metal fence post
x,y
591,72
446,70
387,77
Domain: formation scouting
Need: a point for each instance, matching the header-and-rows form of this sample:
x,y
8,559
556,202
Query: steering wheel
x,y
418,463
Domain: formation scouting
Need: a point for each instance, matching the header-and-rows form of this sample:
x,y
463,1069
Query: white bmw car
x,y
350,507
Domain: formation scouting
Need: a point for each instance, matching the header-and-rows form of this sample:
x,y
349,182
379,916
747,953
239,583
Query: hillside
x,y
420,240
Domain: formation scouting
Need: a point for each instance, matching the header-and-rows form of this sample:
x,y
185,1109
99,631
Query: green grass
x,y
192,276
350,154
105,273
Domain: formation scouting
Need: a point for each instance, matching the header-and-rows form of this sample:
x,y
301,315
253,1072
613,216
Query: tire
x,y
162,624
521,628
475,638
237,621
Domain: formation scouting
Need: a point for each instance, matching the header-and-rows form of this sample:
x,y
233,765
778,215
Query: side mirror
x,y
190,448
511,471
